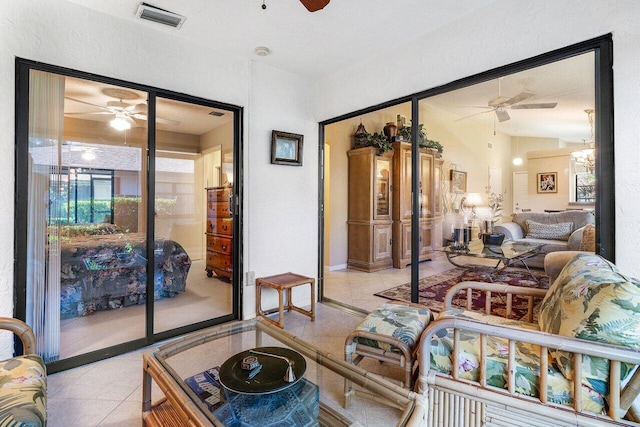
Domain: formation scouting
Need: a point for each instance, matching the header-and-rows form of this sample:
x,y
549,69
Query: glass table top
x,y
508,250
201,351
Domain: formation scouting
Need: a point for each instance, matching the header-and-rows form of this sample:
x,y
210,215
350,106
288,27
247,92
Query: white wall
x,y
501,33
281,233
284,203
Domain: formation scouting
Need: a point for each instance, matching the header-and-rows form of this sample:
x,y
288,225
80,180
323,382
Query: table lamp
x,y
471,200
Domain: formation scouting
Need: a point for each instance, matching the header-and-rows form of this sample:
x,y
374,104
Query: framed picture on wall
x,y
458,182
548,182
286,148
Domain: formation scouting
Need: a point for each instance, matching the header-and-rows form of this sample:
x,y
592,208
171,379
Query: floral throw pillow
x,y
559,231
592,300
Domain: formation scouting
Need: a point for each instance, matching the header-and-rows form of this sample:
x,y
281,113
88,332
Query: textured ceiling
x,y
321,43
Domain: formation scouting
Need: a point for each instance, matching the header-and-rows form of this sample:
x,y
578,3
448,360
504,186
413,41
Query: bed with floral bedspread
x,y
105,272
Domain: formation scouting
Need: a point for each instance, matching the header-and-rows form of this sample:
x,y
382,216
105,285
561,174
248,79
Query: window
x,y
583,184
81,196
585,187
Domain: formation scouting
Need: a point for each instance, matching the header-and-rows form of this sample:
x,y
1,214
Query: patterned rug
x,y
432,289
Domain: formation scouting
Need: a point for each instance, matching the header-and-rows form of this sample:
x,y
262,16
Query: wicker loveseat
x,y
557,231
512,372
23,381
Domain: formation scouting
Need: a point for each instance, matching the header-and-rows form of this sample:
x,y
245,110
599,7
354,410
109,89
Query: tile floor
x,y
109,393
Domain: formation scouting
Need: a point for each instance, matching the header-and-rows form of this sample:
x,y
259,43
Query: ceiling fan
x,y
311,5
314,5
125,114
501,104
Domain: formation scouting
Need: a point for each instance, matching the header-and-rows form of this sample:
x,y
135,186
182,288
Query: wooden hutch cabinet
x,y
430,202
370,203
219,232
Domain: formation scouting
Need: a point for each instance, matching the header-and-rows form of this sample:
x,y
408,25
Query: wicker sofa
x,y
511,372
23,381
557,231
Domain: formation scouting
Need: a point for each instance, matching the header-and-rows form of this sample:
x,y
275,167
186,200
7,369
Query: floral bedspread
x,y
106,272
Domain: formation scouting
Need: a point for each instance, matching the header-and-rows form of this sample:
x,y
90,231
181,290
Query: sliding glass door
x,y
111,221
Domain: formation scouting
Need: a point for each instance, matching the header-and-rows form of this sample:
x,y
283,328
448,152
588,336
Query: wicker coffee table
x,y
171,363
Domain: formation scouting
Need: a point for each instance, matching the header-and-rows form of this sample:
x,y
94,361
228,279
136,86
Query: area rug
x,y
432,289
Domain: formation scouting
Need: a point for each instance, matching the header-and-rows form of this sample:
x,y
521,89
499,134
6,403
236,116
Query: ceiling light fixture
x,y
262,51
587,156
120,123
89,155
517,160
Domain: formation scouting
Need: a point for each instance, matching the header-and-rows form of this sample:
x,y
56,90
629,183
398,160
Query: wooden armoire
x,y
430,202
379,221
369,222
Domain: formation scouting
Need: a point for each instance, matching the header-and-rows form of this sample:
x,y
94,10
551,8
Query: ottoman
x,y
391,333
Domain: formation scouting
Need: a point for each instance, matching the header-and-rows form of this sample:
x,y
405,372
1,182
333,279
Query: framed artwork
x,y
548,182
286,148
458,182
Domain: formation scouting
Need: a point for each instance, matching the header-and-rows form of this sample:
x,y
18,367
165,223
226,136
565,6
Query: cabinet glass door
x,y
382,203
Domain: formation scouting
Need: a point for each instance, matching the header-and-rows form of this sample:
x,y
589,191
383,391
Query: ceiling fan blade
x,y
502,114
519,97
472,115
88,113
87,103
167,121
141,116
314,5
532,106
137,108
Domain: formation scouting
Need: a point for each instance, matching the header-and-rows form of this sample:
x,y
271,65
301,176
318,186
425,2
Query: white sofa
x,y
518,230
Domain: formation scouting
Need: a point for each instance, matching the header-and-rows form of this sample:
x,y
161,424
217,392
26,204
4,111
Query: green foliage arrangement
x,y
423,140
380,141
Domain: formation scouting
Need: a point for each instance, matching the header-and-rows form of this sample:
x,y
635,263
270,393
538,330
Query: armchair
x,y
552,372
23,395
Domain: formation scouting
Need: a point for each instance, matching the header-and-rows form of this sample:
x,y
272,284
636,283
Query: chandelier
x,y
587,156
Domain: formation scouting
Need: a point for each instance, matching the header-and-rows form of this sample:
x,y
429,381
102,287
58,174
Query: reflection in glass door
x,y
193,223
86,241
113,237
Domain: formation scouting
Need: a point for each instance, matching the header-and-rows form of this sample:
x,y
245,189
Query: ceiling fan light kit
x,y
120,123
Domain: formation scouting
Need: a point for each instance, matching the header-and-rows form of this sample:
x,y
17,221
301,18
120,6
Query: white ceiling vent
x,y
161,16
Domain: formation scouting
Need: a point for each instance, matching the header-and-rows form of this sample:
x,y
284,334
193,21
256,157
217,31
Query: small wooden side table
x,y
283,283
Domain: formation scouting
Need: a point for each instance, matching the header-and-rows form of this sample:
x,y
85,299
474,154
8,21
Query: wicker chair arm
x,y
497,288
22,330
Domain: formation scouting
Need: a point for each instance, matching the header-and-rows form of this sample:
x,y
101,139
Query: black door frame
x,y
605,183
23,67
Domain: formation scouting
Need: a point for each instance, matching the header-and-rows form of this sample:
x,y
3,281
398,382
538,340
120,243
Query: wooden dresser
x,y
219,232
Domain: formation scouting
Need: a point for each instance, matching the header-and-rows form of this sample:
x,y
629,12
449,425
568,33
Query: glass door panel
x,y
86,265
193,216
367,204
535,118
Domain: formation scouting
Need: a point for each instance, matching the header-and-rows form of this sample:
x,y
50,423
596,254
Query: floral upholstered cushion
x,y
23,392
592,300
527,362
400,321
